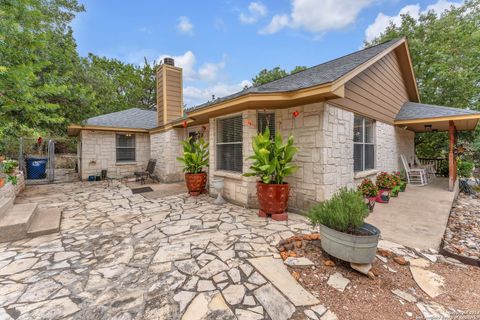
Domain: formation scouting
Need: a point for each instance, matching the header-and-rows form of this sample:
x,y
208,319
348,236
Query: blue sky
x,y
222,44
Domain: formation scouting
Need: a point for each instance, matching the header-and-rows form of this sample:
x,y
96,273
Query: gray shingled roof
x,y
134,118
320,74
412,110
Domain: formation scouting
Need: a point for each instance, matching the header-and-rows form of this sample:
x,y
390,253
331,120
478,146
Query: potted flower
x,y
369,191
385,184
396,183
345,235
403,180
272,163
195,158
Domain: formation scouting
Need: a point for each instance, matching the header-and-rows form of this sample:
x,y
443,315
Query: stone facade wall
x,y
324,136
98,152
166,147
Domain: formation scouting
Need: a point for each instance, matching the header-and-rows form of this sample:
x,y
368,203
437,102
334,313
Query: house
x,y
350,117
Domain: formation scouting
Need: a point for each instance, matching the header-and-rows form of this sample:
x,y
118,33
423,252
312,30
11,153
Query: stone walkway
x,y
122,256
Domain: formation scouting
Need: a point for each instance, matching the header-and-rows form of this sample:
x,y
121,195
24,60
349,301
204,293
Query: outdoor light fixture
x,y
428,127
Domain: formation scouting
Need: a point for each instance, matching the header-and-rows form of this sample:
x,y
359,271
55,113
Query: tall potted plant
x,y
194,160
272,162
345,235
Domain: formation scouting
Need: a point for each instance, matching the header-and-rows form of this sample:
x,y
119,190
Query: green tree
x,y
265,75
445,50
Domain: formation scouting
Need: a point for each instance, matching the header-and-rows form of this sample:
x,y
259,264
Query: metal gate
x,y
48,160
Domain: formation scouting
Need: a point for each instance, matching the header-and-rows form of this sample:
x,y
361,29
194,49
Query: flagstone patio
x,y
123,256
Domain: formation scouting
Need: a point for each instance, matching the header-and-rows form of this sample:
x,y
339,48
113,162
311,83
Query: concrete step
x,y
15,222
5,205
46,221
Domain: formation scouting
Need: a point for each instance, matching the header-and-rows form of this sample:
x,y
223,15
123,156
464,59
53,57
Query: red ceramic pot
x,y
196,183
273,200
383,196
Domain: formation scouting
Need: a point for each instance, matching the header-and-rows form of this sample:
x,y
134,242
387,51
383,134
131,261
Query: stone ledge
x,y
228,174
129,163
364,174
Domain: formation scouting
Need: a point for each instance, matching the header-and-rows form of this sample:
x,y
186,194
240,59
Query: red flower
x,y
248,122
39,140
295,113
185,123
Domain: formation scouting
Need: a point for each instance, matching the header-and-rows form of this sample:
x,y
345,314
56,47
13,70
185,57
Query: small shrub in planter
x,y
345,234
369,191
272,162
464,169
396,184
195,158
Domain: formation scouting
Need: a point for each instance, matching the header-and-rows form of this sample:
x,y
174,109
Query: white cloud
x,y
382,20
209,71
256,10
195,96
184,25
318,16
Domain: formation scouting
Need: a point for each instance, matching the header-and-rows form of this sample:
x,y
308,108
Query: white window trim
x,y
367,143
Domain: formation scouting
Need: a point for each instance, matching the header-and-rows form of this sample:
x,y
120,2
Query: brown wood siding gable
x,y
378,92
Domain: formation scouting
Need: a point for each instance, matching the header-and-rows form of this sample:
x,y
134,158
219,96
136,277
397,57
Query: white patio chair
x,y
415,176
429,167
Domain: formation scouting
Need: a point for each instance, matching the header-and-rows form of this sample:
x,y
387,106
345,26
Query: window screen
x,y
266,119
363,144
230,144
125,146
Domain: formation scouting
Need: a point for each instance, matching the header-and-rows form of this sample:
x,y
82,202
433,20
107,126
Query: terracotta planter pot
x,y
273,200
196,183
383,196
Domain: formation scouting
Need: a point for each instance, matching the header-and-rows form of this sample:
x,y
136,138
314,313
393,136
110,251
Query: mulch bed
x,y
366,298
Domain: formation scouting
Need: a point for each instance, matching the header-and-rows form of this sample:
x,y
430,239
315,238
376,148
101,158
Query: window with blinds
x,y
230,144
125,146
363,144
266,119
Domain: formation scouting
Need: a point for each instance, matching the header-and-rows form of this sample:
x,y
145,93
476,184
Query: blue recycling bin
x,y
36,168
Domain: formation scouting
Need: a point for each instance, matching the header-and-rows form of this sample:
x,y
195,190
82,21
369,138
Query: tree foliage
x,y
276,73
445,50
45,85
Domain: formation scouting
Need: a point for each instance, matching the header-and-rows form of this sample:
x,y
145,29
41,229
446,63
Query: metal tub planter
x,y
348,247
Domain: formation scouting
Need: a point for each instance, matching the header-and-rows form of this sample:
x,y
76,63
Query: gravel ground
x,y
462,235
365,298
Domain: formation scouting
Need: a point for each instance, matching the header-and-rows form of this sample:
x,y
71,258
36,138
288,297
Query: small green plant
x,y
8,167
344,212
384,181
464,168
195,155
368,188
396,178
271,159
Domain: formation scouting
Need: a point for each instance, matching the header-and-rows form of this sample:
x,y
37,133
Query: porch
x,y
417,218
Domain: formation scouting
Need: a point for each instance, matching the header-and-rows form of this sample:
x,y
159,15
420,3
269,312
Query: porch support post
x,y
452,166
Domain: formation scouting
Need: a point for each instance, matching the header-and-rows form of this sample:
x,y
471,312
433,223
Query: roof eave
x,y
74,130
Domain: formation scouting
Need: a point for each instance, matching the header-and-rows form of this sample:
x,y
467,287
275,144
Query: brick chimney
x,y
169,92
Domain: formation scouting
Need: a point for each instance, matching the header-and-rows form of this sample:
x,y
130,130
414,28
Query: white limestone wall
x,y
98,152
391,142
166,147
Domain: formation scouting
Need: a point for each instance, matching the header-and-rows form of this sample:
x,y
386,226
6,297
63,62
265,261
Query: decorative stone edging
x,y
11,191
459,257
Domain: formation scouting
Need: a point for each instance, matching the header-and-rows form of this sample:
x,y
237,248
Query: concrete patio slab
x,y
418,217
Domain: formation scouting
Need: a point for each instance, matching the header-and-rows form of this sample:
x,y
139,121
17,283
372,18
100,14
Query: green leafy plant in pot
x,y
345,235
272,162
194,160
369,191
396,184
